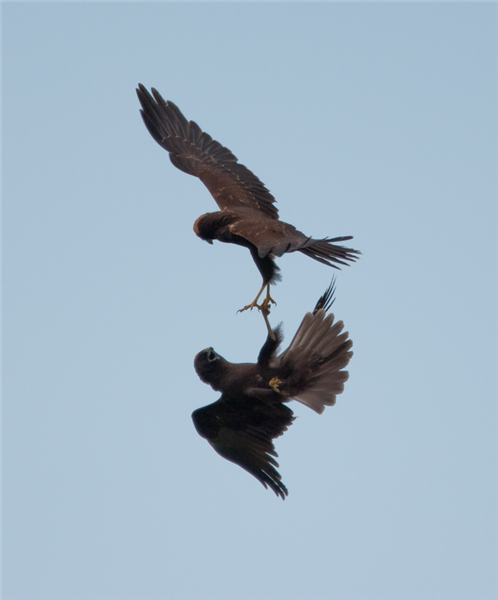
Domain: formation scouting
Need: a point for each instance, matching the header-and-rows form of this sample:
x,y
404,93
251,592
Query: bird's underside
x,y
267,239
248,215
252,411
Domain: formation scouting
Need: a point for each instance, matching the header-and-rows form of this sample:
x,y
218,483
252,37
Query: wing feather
x,y
194,152
243,433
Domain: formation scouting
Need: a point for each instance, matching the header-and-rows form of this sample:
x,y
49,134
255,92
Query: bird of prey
x,y
247,215
252,410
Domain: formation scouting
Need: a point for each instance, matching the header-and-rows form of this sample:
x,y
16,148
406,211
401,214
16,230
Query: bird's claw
x,y
266,304
264,308
274,383
251,306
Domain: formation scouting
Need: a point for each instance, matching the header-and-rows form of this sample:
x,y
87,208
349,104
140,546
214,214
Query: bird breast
x,y
240,377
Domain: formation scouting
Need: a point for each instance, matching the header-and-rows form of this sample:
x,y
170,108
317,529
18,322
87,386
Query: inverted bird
x,y
247,215
252,411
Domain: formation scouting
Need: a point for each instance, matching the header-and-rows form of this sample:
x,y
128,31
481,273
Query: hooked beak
x,y
211,355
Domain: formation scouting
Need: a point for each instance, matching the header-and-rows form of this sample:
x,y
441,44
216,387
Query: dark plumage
x,y
247,215
251,413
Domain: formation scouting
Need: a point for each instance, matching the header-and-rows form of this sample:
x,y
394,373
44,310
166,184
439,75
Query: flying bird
x,y
247,215
252,410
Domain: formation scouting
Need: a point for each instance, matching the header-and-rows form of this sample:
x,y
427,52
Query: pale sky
x,y
376,120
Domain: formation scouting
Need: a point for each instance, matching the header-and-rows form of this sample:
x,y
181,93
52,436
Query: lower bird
x,y
252,410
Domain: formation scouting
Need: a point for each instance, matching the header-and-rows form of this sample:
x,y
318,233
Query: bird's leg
x,y
274,383
264,307
265,312
254,303
268,301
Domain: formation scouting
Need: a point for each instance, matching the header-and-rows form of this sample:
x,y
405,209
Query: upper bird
x,y
251,413
247,214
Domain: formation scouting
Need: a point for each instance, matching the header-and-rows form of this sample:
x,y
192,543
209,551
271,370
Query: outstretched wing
x,y
191,150
242,432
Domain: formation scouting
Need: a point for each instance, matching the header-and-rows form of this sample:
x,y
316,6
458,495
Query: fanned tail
x,y
315,358
326,252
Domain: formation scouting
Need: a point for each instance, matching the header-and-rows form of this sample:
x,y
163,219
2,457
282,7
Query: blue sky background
x,y
376,120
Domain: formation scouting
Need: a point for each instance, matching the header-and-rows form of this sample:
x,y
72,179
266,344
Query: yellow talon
x,y
267,302
274,383
264,307
253,304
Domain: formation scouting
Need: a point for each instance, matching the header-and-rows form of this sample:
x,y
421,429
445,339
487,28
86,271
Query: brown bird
x,y
247,215
251,413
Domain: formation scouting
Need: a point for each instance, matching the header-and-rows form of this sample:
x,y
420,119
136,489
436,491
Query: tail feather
x,y
328,253
315,359
327,298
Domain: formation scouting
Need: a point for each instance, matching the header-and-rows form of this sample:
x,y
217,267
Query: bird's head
x,y
208,355
208,365
211,226
204,229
